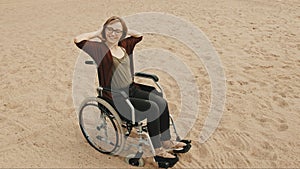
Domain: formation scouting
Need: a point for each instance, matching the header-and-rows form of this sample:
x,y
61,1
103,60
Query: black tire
x,y
101,126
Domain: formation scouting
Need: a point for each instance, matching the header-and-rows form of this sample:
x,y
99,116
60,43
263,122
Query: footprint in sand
x,y
282,127
280,101
279,123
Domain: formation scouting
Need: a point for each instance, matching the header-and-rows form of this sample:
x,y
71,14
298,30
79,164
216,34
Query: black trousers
x,y
150,106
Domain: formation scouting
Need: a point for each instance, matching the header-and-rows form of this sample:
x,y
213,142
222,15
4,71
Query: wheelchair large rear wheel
x,y
101,126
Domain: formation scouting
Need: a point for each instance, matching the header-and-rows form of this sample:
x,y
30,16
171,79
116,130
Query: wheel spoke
x,y
100,126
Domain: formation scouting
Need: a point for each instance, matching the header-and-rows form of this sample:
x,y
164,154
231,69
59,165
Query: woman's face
x,y
113,32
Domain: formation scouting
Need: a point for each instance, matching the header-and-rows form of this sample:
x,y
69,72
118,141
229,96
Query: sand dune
x,y
258,45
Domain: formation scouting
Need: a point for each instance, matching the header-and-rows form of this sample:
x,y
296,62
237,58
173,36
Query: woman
x,y
113,56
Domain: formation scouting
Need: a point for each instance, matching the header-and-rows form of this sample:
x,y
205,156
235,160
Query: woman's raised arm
x,y
87,36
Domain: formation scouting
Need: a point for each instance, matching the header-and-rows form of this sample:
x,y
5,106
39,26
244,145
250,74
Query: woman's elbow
x,y
76,40
79,43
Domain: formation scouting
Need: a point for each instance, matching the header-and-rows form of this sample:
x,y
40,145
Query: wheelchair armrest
x,y
146,75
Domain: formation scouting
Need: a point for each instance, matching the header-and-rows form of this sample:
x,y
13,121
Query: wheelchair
x,y
107,132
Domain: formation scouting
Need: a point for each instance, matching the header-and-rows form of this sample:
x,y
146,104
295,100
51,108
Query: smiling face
x,y
113,32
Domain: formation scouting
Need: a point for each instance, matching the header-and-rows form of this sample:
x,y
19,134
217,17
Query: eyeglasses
x,y
111,30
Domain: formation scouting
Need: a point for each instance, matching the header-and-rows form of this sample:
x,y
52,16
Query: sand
x,y
258,46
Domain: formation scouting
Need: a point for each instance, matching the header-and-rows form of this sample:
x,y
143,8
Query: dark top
x,y
104,59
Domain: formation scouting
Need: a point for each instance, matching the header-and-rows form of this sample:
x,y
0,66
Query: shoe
x,y
182,146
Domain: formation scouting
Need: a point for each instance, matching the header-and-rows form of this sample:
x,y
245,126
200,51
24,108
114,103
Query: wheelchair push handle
x,y
90,62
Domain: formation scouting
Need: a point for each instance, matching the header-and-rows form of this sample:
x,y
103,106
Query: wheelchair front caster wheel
x,y
139,162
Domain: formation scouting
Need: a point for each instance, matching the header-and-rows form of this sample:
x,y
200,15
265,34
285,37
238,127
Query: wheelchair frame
x,y
107,111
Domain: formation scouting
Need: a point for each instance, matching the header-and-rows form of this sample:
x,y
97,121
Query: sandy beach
x,y
257,43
